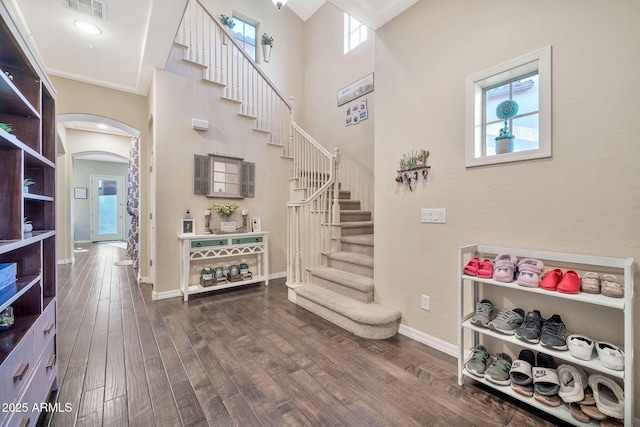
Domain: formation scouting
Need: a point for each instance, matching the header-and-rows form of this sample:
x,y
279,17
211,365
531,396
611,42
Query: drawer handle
x,y
22,369
48,328
51,361
25,422
198,245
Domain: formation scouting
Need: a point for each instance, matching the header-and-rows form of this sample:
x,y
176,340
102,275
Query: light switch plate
x,y
433,216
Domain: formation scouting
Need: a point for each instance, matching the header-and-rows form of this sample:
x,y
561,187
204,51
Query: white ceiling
x,y
138,34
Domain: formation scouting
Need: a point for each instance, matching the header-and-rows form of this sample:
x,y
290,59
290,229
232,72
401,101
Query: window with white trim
x,y
246,33
355,32
525,80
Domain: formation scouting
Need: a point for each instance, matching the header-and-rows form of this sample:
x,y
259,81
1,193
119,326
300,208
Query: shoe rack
x,y
594,313
28,350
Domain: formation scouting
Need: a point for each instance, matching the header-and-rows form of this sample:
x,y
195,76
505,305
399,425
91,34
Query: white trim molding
x,y
436,343
537,61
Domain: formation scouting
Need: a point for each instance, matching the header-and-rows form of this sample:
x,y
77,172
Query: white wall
x,y
327,69
582,200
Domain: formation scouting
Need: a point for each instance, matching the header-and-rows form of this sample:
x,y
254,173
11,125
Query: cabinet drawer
x,y
247,240
17,369
43,329
46,370
208,243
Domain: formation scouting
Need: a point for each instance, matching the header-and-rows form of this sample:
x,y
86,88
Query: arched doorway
x,y
90,138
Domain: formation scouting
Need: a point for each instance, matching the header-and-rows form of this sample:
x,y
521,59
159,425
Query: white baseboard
x,y
66,261
438,344
167,294
278,275
81,242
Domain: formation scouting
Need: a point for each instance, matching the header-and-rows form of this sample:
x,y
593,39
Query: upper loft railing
x,y
209,44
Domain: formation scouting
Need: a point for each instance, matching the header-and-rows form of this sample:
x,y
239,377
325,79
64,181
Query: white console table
x,y
217,247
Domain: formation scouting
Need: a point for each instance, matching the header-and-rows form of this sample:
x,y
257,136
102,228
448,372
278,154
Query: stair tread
x,y
345,278
353,258
357,224
366,313
354,212
360,239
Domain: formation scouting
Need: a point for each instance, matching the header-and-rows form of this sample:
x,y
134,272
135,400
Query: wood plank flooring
x,y
243,357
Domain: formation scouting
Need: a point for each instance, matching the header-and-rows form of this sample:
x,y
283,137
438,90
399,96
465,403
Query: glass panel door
x,y
107,208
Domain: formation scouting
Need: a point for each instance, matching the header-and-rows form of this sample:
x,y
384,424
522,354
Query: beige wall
x,y
81,98
326,70
177,100
583,200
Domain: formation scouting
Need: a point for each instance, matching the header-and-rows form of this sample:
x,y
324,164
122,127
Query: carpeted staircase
x,y
343,290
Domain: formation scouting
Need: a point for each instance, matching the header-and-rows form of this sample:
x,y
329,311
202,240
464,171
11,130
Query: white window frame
x,y
537,61
253,23
348,31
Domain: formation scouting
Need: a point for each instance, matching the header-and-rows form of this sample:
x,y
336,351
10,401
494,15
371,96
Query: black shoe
x,y
531,327
554,333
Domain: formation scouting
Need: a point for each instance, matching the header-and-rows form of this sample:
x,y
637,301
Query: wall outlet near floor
x,y
425,303
435,216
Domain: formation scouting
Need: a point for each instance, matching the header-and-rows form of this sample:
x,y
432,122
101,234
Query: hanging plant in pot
x,y
228,21
506,110
267,44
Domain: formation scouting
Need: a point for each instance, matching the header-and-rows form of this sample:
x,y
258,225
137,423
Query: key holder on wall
x,y
413,166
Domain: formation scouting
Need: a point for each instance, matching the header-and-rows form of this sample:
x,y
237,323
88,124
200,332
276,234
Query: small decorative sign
x,y
228,226
80,193
188,226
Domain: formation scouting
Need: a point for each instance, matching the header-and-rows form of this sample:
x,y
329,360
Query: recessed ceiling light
x,y
103,126
87,28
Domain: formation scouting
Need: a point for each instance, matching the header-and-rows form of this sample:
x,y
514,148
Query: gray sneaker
x,y
498,372
531,327
507,321
479,361
554,333
483,314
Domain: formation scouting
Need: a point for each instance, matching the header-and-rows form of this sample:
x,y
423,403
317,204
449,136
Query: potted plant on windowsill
x,y
267,44
506,110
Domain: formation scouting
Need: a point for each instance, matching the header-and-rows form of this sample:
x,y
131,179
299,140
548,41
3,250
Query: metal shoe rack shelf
x,y
599,317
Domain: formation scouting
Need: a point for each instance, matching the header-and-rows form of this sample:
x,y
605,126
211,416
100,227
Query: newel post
x,y
336,187
291,148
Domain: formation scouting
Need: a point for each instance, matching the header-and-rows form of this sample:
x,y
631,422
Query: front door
x,y
107,208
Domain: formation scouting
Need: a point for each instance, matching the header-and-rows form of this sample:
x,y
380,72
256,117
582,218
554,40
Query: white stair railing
x,y
209,43
309,222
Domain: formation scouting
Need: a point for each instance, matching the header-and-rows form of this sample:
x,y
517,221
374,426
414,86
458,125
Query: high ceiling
x,y
135,36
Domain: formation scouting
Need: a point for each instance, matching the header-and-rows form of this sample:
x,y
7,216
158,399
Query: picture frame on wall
x,y
355,90
188,226
255,224
80,193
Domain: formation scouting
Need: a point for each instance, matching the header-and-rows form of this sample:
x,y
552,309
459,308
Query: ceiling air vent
x,y
95,8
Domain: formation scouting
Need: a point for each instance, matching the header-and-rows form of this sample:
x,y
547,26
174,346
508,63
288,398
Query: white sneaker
x,y
611,356
580,346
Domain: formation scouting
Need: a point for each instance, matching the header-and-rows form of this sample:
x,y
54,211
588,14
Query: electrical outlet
x,y
435,216
426,303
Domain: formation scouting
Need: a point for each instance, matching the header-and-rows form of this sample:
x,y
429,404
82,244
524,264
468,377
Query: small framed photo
x,y
188,226
80,193
255,224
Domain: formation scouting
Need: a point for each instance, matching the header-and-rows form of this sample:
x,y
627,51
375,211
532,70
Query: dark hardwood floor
x,y
245,357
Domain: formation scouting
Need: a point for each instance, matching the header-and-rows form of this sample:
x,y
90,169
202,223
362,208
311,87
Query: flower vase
x,y
266,52
504,146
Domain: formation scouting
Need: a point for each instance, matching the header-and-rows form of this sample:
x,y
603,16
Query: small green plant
x,y
505,111
227,21
267,39
5,127
26,220
225,210
27,182
207,270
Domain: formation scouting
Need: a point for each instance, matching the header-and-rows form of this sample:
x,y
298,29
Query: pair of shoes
x,y
507,321
482,365
483,269
611,356
505,268
551,333
590,283
482,316
529,271
556,280
573,381
611,287
580,346
608,394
